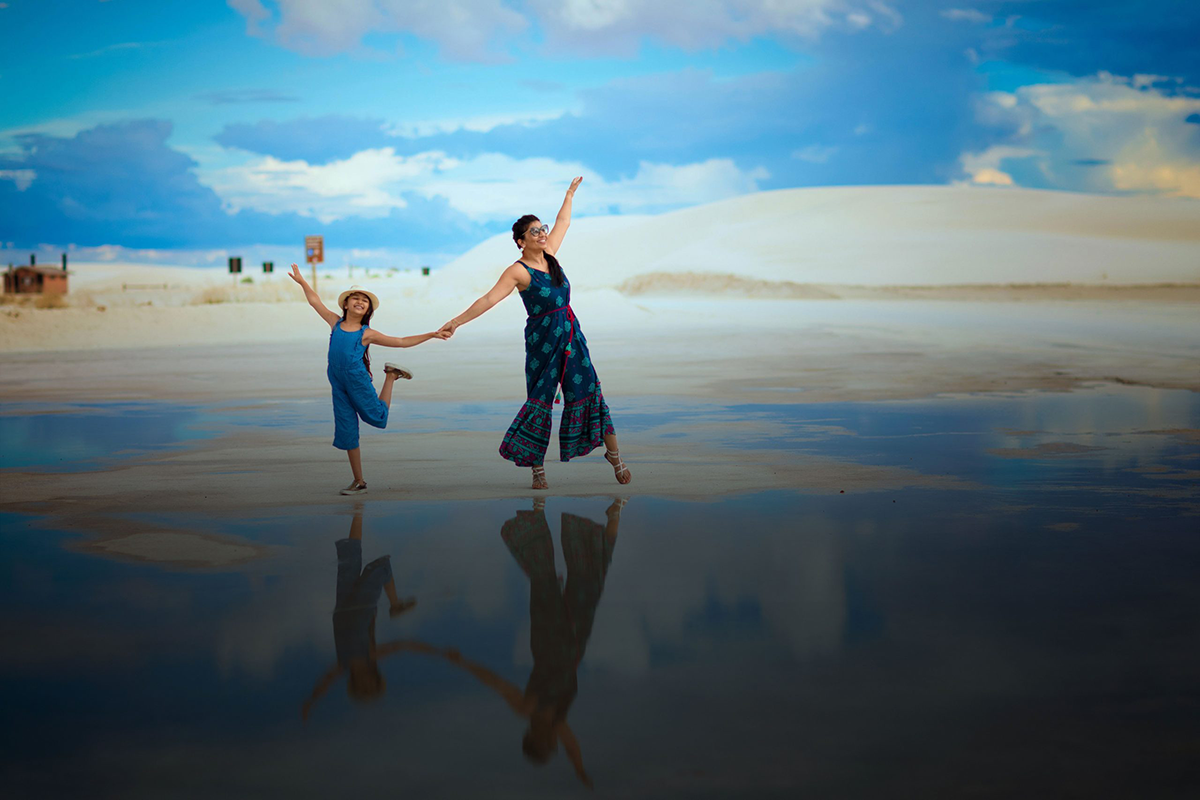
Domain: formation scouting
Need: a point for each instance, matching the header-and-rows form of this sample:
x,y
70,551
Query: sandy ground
x,y
784,351
895,317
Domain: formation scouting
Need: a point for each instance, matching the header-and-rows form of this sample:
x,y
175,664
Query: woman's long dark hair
x,y
519,229
365,320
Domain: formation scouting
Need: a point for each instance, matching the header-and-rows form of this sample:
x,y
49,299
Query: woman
x,y
556,354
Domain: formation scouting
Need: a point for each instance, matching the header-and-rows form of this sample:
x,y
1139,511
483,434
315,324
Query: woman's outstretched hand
x,y
574,185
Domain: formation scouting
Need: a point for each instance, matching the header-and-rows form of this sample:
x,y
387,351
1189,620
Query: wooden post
x,y
314,251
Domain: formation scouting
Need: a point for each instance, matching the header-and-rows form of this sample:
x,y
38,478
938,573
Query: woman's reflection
x,y
358,591
560,621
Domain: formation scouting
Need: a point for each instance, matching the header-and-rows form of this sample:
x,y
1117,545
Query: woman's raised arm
x,y
510,279
563,220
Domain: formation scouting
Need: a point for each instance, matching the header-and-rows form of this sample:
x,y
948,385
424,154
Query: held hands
x,y
449,328
441,334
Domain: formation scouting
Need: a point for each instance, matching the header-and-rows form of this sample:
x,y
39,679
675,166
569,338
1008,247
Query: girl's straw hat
x,y
342,297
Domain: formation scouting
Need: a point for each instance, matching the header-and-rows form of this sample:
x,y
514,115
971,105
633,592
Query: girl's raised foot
x,y
621,471
539,478
400,371
356,487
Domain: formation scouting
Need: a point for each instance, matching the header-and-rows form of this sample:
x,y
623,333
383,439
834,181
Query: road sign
x,y
268,266
235,264
314,249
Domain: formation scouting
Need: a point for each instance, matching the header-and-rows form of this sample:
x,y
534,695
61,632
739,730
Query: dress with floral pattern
x,y
556,353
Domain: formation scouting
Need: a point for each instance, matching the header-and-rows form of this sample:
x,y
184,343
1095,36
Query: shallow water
x,y
1031,632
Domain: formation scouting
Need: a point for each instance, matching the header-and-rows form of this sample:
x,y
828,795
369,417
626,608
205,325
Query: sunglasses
x,y
545,229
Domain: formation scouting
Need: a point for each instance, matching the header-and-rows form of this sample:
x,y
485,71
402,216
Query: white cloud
x,y
477,30
1146,165
621,25
815,153
1143,81
1104,133
254,12
966,15
492,185
368,184
984,168
485,188
476,124
464,29
23,178
66,127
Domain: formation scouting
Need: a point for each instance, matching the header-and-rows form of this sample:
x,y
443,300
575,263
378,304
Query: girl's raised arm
x,y
563,220
313,300
372,336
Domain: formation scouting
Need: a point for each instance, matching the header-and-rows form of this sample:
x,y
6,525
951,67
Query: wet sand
x,y
684,350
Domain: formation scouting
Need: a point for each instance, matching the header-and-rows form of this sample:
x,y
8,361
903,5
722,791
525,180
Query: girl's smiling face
x,y
358,304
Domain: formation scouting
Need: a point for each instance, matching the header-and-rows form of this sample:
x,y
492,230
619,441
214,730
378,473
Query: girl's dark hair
x,y
519,228
365,321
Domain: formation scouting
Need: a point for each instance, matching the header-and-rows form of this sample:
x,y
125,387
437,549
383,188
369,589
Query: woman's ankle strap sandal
x,y
614,458
539,477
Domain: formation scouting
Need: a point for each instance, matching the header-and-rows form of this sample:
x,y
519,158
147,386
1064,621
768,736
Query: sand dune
x,y
879,236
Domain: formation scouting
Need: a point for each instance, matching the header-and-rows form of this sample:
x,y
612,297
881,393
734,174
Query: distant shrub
x,y
247,279
213,295
50,301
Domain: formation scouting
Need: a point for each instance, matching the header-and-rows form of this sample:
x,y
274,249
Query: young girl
x,y
349,369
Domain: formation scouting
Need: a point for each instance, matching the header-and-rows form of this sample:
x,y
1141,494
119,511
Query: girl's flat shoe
x,y
358,487
399,370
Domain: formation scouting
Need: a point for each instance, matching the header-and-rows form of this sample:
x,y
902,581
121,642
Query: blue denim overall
x,y
354,395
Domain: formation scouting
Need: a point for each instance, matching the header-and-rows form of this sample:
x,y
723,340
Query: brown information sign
x,y
314,249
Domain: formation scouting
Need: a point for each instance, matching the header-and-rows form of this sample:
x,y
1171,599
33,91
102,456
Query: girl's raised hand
x,y
295,275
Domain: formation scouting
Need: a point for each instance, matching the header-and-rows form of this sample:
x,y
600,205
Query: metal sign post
x,y
314,253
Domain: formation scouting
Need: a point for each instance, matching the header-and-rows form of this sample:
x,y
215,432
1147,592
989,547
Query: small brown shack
x,y
35,280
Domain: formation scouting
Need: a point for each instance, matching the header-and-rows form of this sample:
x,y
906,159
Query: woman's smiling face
x,y
536,235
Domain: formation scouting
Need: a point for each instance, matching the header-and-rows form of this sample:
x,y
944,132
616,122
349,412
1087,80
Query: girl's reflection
x,y
358,591
560,621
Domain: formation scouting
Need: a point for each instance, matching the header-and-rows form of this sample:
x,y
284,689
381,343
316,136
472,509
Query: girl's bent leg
x,y
385,394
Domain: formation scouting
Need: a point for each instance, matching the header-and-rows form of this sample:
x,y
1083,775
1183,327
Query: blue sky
x,y
406,130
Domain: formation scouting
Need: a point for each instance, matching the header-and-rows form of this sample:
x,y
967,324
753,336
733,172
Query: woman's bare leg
x,y
622,473
539,478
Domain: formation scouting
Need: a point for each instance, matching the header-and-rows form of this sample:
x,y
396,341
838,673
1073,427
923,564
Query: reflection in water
x,y
560,621
358,591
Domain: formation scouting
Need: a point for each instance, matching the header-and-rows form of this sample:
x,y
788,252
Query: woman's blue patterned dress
x,y
556,353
